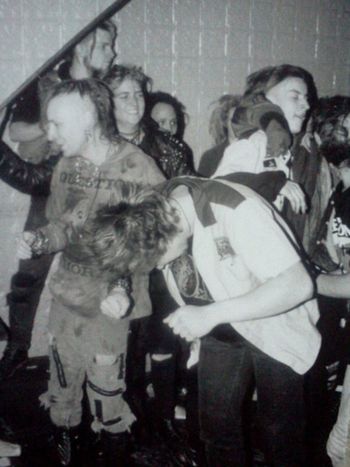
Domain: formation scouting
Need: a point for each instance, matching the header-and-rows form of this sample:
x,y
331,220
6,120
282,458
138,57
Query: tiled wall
x,y
200,49
196,49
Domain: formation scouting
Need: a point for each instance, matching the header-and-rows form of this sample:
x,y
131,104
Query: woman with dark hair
x,y
170,115
168,112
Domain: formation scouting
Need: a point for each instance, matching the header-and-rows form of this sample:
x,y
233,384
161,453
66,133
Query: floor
x,y
24,421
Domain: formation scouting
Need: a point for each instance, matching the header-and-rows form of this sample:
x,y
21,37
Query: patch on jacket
x,y
224,248
188,279
270,163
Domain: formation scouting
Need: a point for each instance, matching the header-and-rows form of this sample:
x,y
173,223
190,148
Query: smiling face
x,y
291,96
70,118
129,105
164,114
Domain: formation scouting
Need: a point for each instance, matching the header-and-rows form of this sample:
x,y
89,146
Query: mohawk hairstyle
x,y
132,235
100,96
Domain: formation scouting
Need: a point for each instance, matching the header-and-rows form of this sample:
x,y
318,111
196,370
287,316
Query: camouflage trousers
x,y
91,350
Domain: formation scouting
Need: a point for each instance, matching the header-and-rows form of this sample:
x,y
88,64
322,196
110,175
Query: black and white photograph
x,y
175,233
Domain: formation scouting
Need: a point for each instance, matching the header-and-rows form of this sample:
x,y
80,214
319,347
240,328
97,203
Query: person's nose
x,y
167,127
111,53
133,101
305,105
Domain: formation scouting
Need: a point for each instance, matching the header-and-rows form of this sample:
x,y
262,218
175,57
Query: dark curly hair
x,y
327,121
133,235
100,96
328,116
161,97
336,152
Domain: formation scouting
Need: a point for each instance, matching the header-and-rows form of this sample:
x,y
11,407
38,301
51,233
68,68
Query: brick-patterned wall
x,y
196,49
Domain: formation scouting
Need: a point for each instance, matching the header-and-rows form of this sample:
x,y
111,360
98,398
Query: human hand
x,y
336,445
116,304
190,322
295,196
24,250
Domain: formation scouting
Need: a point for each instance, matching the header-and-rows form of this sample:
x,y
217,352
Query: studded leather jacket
x,y
172,156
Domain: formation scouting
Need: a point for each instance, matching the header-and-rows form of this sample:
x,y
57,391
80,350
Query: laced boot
x,y
14,358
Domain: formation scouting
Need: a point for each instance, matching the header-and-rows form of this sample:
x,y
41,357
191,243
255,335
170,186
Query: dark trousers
x,y
26,287
135,370
163,342
226,371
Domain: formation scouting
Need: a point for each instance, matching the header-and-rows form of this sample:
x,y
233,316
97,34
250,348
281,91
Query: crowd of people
x,y
226,280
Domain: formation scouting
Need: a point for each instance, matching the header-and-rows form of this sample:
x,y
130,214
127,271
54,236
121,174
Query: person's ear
x,y
80,51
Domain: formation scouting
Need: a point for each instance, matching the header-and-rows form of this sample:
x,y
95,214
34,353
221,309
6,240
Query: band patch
x,y
224,248
270,163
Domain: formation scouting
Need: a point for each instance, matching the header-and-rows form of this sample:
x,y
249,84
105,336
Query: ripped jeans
x,y
88,349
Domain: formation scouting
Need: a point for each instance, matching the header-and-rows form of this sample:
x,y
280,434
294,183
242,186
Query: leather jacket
x,y
32,179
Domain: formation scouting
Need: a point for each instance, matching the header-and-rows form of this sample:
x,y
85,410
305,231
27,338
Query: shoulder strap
x,y
205,191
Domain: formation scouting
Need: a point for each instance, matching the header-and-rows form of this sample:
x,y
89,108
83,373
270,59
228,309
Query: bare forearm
x,y
277,295
334,285
280,294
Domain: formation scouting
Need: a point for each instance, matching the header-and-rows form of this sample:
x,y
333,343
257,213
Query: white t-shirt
x,y
244,248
